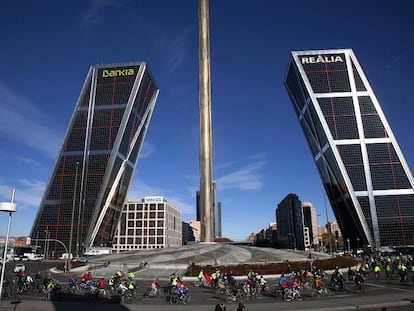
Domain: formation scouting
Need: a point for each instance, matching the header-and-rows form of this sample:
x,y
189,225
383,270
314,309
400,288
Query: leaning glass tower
x,y
363,170
87,188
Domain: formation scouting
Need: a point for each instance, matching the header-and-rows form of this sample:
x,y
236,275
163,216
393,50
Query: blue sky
x,y
259,152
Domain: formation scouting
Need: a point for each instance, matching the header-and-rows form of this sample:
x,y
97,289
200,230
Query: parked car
x,y
19,267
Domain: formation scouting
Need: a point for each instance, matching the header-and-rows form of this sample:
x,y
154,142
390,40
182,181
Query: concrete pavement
x,y
163,262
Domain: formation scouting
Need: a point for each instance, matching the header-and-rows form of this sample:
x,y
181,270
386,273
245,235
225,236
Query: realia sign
x,y
321,59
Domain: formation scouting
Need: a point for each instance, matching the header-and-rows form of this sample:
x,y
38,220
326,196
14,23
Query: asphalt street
x,y
377,295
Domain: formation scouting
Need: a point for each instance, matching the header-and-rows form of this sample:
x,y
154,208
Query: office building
x,y
188,233
149,223
289,220
216,211
363,170
310,221
195,225
85,194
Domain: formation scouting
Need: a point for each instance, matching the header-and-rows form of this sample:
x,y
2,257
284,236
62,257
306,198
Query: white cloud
x,y
28,193
139,190
23,123
175,49
147,150
245,178
30,162
94,14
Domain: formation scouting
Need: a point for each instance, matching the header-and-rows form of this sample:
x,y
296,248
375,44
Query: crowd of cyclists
x,y
120,286
289,286
315,282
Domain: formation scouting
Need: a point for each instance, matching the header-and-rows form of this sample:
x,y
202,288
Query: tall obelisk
x,y
205,143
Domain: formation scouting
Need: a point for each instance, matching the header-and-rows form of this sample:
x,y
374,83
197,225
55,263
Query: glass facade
x,y
88,185
366,178
290,224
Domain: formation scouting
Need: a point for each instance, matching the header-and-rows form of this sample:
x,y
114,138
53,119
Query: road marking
x,y
394,288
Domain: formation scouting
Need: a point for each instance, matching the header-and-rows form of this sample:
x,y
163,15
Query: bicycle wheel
x,y
174,300
160,292
186,299
315,293
128,298
298,296
287,296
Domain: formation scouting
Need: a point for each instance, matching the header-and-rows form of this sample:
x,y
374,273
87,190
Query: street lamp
x,y
349,246
11,208
69,264
320,235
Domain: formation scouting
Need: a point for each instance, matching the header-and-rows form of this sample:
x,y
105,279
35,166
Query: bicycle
x,y
403,278
202,283
292,294
130,296
320,292
154,292
177,298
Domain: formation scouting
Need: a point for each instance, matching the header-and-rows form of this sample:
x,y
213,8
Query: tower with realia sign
x,y
87,188
363,170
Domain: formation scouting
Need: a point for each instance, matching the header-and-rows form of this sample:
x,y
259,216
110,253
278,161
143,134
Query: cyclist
x,y
200,275
317,283
72,282
262,283
337,278
359,280
403,273
131,275
154,287
283,283
122,289
376,271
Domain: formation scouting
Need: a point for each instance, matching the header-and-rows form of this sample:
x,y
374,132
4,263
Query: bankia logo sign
x,y
106,73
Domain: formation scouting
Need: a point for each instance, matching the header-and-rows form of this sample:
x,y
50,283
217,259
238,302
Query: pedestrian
x,y
220,307
241,307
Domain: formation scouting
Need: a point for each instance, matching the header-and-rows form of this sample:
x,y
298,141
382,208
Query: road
x,y
378,295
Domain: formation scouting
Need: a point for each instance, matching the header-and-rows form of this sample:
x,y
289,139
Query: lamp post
x,y
320,237
69,264
11,208
349,245
46,242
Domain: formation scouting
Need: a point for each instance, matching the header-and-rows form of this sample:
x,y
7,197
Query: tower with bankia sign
x,y
366,178
85,194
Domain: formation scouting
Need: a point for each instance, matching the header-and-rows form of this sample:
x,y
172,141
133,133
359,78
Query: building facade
x,y
149,223
85,194
216,211
289,220
364,173
188,235
195,225
310,221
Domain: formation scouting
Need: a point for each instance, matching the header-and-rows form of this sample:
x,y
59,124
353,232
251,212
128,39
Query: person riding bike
x,y
359,280
337,278
283,283
403,273
72,281
317,283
